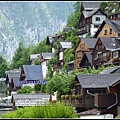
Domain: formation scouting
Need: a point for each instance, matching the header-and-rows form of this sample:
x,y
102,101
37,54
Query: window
x,y
110,31
104,54
96,26
110,17
82,46
105,33
96,57
100,46
97,18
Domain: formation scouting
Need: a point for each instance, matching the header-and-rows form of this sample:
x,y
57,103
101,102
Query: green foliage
x,y
61,83
3,66
55,110
25,89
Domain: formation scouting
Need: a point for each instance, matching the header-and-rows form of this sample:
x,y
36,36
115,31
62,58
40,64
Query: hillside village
x,y
97,45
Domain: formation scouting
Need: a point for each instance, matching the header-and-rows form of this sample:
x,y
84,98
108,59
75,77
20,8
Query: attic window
x,y
97,18
110,31
105,33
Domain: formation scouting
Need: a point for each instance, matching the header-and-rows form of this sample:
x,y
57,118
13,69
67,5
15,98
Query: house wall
x,y
44,69
115,17
102,32
98,57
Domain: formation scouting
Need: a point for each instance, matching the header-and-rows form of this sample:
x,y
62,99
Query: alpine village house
x,y
98,92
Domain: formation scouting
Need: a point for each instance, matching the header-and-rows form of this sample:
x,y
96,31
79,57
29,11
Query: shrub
x,y
54,110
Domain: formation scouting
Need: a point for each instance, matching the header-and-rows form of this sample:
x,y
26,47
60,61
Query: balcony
x,y
104,100
75,101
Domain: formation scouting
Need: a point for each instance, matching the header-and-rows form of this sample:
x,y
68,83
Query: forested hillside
x,y
30,22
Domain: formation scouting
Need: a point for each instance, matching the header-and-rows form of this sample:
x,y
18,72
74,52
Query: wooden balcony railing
x,y
75,101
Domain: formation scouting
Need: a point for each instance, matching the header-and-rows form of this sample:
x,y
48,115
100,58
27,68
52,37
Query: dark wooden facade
x,y
114,16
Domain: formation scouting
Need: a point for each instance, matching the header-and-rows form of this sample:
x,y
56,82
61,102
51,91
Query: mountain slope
x,y
30,22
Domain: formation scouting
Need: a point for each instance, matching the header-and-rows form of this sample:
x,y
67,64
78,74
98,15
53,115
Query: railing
x,y
75,101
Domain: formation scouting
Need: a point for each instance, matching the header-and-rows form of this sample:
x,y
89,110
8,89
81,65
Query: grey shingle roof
x,y
114,24
97,80
47,55
34,56
90,42
30,99
33,72
114,13
67,29
89,57
16,81
88,5
110,70
66,44
110,43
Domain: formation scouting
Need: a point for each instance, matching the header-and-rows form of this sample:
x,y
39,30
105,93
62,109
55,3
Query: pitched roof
x,y
114,25
33,72
90,42
90,5
91,13
47,55
34,56
12,73
89,57
97,80
51,39
30,99
16,81
65,44
67,29
110,43
110,70
114,13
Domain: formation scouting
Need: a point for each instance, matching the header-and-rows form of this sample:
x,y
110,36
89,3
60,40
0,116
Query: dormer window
x,y
97,18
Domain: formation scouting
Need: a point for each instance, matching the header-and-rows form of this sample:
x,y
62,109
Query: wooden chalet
x,y
90,21
31,74
114,16
108,28
43,59
106,49
84,45
12,80
62,46
21,100
89,6
101,91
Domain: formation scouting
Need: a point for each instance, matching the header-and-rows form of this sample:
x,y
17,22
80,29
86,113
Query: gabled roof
x,y
114,25
114,13
90,42
33,72
109,43
13,73
34,56
67,29
30,99
89,57
110,70
97,80
91,13
90,5
51,39
47,55
16,81
66,44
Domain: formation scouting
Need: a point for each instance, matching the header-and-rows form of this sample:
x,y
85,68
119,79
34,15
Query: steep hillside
x,y
30,22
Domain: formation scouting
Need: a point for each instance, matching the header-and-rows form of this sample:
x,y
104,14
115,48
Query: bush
x,y
54,110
